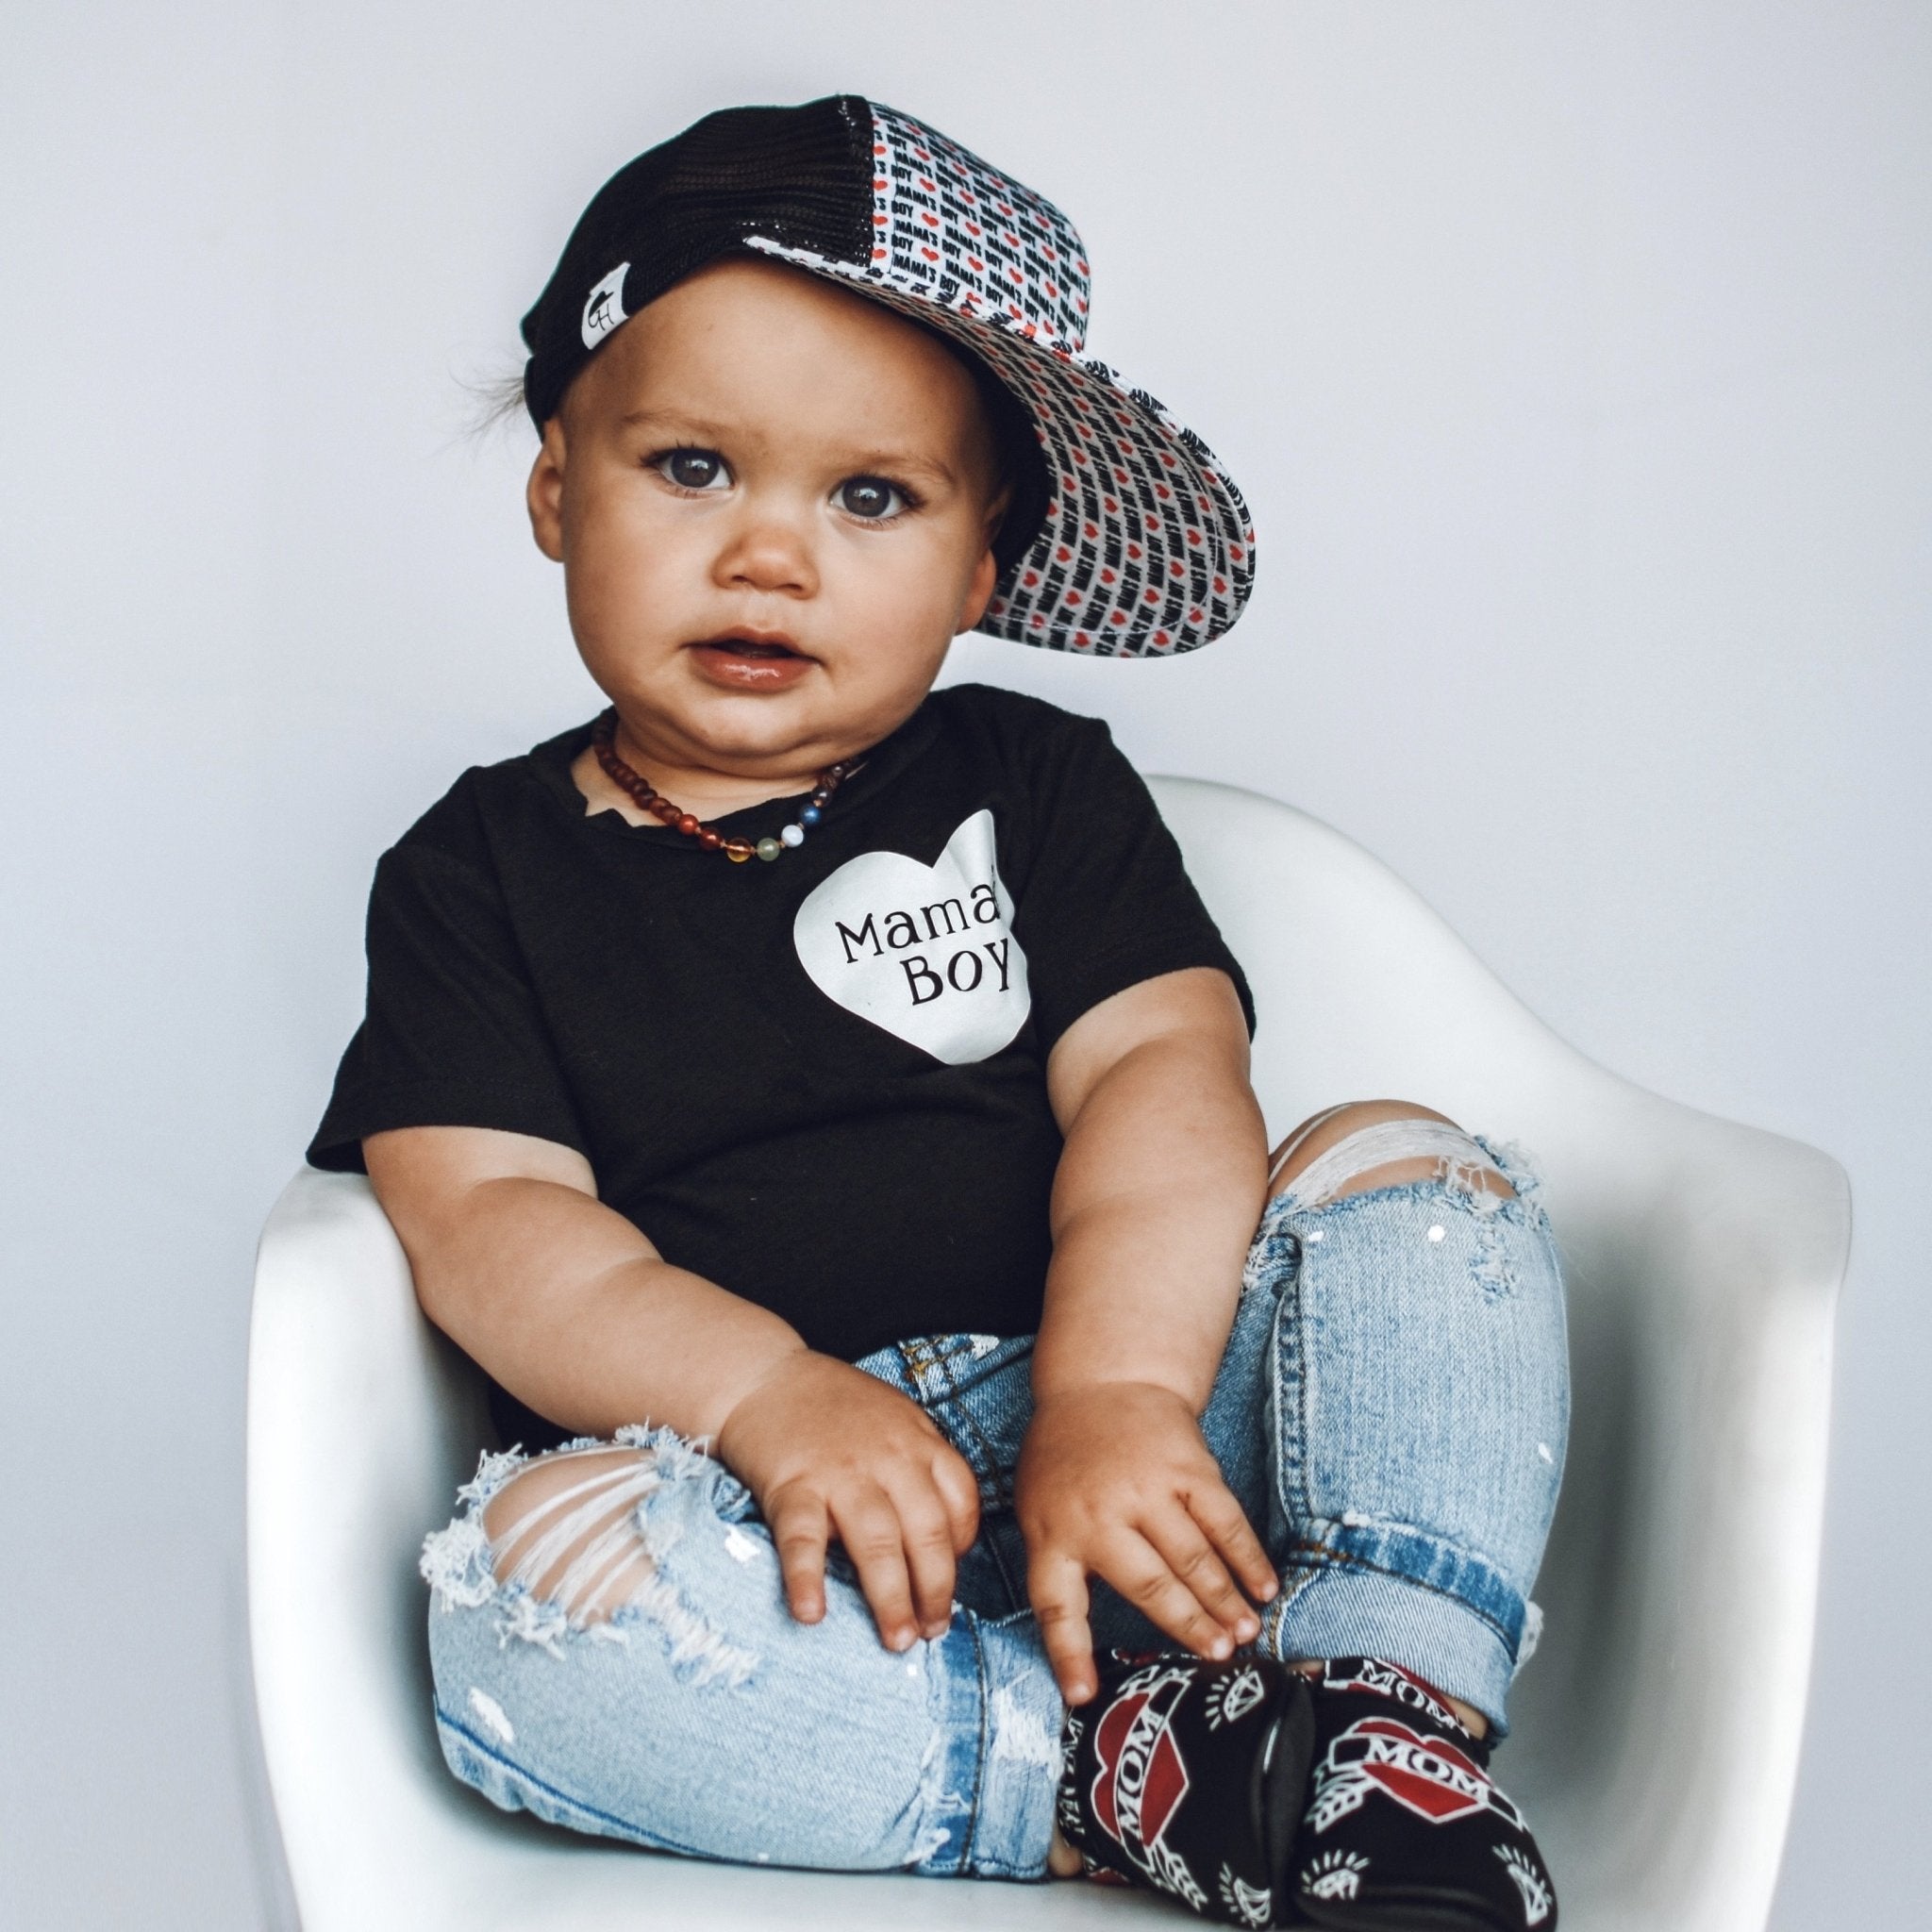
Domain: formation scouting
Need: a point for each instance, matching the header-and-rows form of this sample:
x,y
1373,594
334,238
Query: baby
x,y
820,1105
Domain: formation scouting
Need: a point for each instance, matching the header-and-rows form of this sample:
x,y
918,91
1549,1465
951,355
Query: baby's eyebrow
x,y
893,462
675,420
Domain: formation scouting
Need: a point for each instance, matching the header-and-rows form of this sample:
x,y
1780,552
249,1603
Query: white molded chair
x,y
1656,1731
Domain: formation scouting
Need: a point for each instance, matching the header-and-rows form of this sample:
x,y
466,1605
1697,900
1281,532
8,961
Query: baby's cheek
x,y
898,613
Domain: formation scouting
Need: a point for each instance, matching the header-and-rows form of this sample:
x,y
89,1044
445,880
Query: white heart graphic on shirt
x,y
925,951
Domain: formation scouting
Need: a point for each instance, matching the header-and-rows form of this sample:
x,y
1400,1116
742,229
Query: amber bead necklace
x,y
634,783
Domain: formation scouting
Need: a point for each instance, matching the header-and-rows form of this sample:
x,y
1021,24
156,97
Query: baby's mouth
x,y
751,660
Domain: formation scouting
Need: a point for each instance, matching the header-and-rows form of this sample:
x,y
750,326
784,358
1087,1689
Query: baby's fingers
x,y
927,1531
869,1528
1143,1575
1228,1529
1178,1541
800,1530
1058,1586
959,1491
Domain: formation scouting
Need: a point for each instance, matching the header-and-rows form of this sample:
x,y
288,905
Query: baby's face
x,y
774,503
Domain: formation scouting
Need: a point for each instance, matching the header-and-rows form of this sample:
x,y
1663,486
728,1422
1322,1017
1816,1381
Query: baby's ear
x,y
986,574
997,506
544,491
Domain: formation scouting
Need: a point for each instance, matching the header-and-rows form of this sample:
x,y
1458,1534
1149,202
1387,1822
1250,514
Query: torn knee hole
x,y
1369,1145
565,1527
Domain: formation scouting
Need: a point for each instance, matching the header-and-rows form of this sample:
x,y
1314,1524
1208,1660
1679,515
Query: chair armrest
x,y
362,1421
1661,1724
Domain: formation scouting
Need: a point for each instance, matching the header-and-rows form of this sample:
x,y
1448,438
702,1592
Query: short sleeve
x,y
1108,901
452,1034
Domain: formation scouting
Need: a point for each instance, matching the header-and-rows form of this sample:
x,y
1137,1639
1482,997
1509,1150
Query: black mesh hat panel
x,y
800,177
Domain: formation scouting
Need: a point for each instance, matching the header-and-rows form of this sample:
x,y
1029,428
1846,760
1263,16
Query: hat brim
x,y
1146,549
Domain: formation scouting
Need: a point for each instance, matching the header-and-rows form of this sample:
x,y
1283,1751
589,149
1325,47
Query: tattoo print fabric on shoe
x,y
1190,1777
1404,1827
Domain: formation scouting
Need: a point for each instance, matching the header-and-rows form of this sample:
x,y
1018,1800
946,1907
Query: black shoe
x,y
1403,1831
1190,1777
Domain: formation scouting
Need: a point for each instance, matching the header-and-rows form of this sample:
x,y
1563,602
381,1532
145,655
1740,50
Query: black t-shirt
x,y
819,1082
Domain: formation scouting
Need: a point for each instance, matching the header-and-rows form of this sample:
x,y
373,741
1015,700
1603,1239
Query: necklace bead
x,y
648,798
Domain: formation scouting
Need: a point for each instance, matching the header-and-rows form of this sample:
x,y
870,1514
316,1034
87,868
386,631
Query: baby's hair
x,y
497,401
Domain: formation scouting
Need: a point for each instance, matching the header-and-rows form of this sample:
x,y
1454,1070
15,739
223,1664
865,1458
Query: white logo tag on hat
x,y
603,306
925,951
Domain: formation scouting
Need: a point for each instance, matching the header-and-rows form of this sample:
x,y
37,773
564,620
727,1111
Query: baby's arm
x,y
571,1309
1156,1200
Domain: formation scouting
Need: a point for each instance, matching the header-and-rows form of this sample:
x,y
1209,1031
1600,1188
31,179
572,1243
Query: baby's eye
x,y
692,469
870,498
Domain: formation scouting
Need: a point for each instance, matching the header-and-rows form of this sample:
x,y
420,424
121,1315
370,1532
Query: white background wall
x,y
1576,359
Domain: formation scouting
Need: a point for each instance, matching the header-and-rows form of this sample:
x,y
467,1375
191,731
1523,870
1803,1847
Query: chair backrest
x,y
1360,988
1658,1730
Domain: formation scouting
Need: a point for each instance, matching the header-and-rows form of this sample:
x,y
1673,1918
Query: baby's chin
x,y
756,733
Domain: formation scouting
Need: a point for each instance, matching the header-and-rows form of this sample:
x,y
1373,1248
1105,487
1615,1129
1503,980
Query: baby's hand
x,y
1115,1481
828,1449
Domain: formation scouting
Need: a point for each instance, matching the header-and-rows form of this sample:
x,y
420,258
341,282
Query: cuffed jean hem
x,y
1336,1602
999,1748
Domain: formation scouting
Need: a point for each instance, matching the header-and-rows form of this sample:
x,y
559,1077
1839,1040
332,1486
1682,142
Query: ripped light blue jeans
x,y
1390,1411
